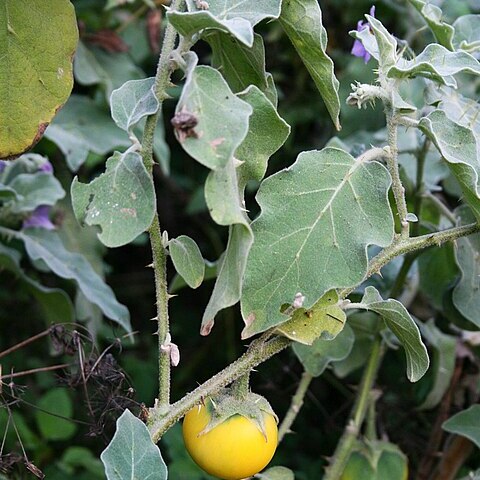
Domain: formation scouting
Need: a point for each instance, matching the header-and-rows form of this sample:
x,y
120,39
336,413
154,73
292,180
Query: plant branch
x,y
402,247
347,441
259,351
159,254
392,164
295,406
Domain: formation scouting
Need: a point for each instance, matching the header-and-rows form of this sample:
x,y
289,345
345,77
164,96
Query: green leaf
x,y
436,63
237,17
222,117
466,295
228,286
36,65
438,272
266,134
75,457
131,454
94,66
444,356
241,66
121,200
459,147
364,325
322,352
465,423
302,22
399,321
35,189
460,109
58,402
324,320
187,259
82,127
467,33
432,14
376,461
133,101
318,215
276,473
46,246
56,304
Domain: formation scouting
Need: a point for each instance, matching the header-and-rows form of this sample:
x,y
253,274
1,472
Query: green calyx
x,y
226,405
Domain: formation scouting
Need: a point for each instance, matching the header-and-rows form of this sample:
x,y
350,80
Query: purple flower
x,y
46,167
40,218
358,50
3,165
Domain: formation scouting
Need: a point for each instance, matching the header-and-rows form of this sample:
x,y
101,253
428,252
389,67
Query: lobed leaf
x,y
121,201
436,63
459,147
37,41
237,17
302,22
442,31
131,454
222,118
318,215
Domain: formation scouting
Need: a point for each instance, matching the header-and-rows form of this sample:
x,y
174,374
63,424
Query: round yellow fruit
x,y
233,450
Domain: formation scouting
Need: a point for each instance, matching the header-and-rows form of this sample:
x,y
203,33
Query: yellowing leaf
x,y
37,42
325,319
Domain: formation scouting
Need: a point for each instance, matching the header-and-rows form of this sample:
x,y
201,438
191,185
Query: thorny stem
x,y
402,247
295,405
344,447
259,351
159,254
409,260
392,164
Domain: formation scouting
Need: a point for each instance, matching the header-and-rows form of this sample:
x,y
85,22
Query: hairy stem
x,y
241,386
159,254
295,406
347,441
408,245
259,351
392,164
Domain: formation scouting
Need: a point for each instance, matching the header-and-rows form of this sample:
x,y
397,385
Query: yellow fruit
x,y
233,450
